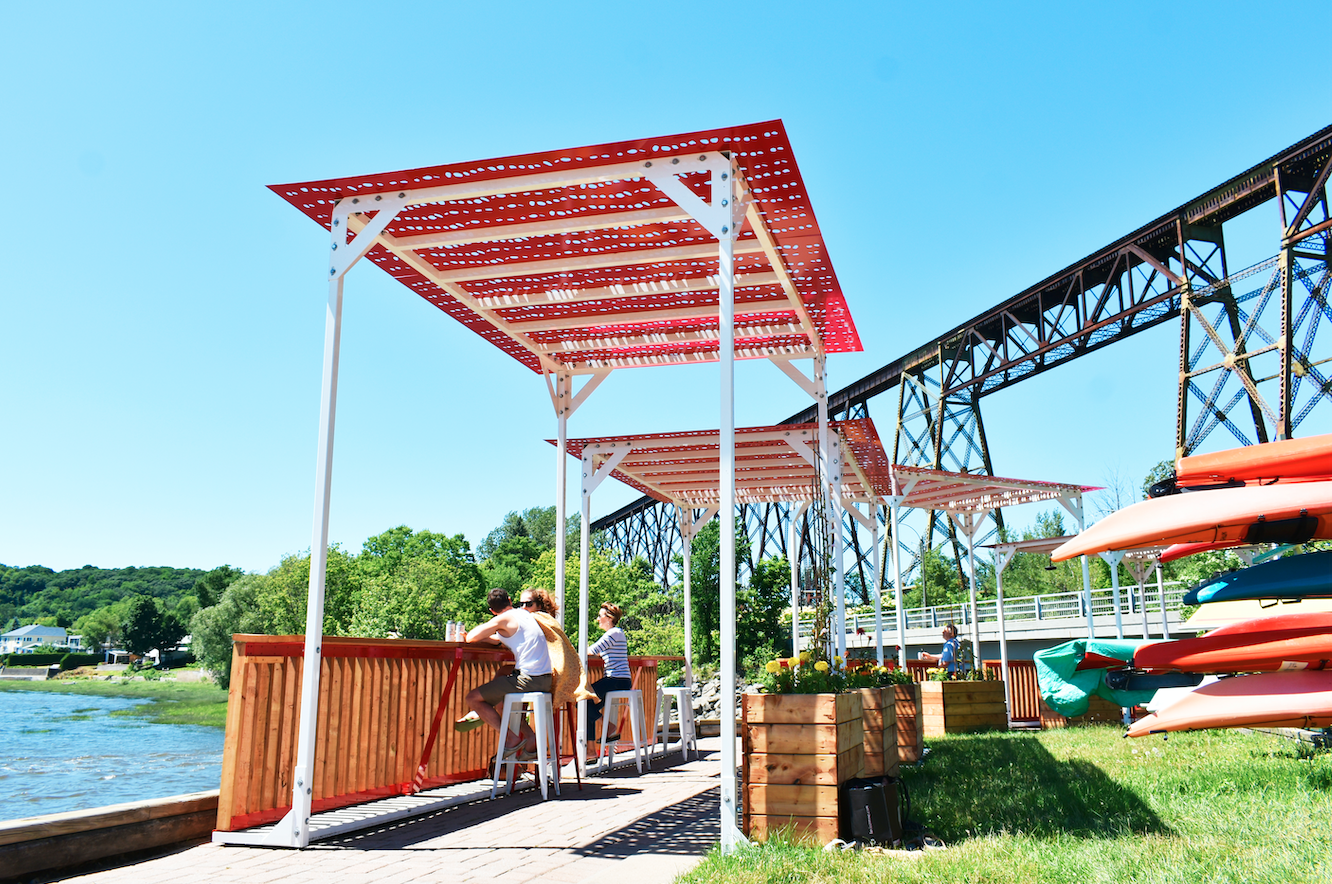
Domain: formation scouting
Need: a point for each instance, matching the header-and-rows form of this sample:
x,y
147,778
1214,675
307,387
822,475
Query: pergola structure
x,y
670,251
776,464
966,498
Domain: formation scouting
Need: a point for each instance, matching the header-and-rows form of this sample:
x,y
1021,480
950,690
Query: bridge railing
x,y
1027,610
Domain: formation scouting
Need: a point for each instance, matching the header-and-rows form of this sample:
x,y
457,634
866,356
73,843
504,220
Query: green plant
x,y
805,673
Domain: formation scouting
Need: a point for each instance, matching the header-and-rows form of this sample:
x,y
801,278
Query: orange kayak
x,y
1260,464
1251,514
1269,699
1265,644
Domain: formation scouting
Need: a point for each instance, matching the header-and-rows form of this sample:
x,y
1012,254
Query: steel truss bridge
x,y
1252,367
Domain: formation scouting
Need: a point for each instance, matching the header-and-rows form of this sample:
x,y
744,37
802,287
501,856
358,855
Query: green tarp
x,y
1069,691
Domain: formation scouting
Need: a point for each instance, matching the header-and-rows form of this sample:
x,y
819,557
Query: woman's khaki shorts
x,y
494,691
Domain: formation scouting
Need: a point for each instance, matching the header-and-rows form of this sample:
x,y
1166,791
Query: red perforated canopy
x,y
685,467
575,260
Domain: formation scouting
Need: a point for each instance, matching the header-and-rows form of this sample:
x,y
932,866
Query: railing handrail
x,y
1052,606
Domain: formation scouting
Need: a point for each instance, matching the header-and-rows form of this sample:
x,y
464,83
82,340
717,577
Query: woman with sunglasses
x,y
613,649
568,686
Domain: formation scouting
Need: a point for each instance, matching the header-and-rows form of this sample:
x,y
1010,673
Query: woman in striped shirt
x,y
613,649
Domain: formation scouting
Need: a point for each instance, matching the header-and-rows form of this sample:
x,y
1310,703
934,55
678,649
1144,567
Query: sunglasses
x,y
530,603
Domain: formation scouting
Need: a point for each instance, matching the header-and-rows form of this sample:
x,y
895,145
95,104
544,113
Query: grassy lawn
x,y
172,702
1085,805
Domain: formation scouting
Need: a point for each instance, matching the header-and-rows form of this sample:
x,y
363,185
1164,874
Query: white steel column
x,y
895,510
1160,597
793,550
593,475
294,829
832,504
1113,558
872,523
1003,558
584,538
968,523
878,582
839,543
1074,507
296,824
561,396
686,518
723,195
566,403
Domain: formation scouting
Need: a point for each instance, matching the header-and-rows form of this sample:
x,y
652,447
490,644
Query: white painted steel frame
x,y
1112,558
730,205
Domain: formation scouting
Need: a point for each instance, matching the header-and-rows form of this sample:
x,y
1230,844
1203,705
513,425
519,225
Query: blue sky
x,y
163,311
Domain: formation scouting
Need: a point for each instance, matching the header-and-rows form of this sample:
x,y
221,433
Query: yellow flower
x,y
821,666
804,656
794,661
772,667
838,660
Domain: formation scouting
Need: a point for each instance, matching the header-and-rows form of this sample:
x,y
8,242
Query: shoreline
x,y
171,701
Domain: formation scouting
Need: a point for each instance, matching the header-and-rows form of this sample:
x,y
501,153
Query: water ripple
x,y
63,752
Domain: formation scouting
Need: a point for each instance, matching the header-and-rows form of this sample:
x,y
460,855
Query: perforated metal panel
x,y
515,260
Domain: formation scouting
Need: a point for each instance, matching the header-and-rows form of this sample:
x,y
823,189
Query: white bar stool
x,y
638,727
548,753
683,698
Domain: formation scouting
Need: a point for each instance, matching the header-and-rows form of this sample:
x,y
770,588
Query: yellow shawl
x,y
569,682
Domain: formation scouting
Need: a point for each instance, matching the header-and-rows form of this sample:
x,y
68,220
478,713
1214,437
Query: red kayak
x,y
1266,644
1184,550
1292,513
1270,699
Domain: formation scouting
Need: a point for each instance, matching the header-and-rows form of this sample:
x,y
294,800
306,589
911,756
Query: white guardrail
x,y
1027,610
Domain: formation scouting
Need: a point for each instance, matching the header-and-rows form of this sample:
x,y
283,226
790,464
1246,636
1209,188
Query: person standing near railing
x,y
947,658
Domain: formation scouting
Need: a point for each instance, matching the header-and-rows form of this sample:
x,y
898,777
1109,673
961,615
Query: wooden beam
x,y
670,337
606,293
769,246
554,227
636,317
627,258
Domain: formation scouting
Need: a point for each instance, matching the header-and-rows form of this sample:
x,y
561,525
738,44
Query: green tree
x,y
101,625
1159,473
759,609
145,627
411,585
282,598
208,589
236,613
705,587
536,524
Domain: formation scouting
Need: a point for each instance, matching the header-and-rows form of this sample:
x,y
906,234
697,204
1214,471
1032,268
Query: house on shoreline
x,y
24,639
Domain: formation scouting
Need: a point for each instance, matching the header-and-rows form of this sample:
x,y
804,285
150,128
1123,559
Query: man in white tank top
x,y
519,631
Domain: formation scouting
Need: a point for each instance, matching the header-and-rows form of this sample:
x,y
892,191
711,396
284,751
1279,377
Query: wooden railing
x,y
377,700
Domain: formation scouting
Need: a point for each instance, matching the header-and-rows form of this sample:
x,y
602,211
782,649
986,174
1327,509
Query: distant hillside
x,y
34,592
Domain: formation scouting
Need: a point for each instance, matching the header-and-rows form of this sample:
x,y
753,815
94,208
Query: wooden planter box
x,y
959,707
798,749
910,723
879,722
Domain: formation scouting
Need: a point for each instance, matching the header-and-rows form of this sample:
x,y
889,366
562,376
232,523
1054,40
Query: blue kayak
x,y
1307,576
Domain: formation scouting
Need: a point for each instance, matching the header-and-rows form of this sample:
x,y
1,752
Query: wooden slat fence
x,y
1024,694
377,699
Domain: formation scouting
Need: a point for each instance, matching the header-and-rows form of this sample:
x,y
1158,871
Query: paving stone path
x,y
622,827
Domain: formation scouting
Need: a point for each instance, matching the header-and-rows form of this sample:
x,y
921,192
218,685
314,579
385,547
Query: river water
x,y
61,752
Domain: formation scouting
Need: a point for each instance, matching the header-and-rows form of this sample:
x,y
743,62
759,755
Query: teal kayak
x,y
1307,576
1070,674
